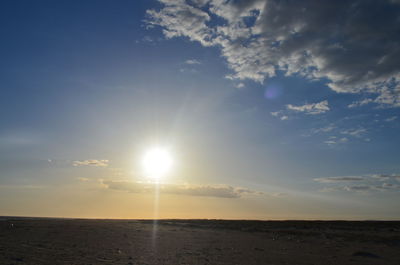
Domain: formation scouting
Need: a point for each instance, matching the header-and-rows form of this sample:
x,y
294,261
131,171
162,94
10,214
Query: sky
x,y
268,109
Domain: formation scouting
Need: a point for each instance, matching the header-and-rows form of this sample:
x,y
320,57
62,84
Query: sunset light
x,y
157,162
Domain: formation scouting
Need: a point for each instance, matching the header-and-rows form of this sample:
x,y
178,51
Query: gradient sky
x,y
270,109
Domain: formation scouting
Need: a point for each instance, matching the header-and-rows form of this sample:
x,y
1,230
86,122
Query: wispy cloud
x,y
390,119
339,179
324,129
333,140
354,132
312,109
384,177
240,85
220,191
280,115
83,179
361,184
360,103
91,162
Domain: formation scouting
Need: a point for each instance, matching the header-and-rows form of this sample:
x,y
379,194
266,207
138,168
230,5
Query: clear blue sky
x,y
270,110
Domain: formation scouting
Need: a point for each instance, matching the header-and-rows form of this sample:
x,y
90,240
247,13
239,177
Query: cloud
x,y
354,132
360,103
354,45
334,141
91,162
192,61
359,188
220,191
391,119
83,179
337,135
325,129
240,85
384,177
312,109
280,115
363,184
339,179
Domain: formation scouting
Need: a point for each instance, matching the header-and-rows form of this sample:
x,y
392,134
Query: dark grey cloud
x,y
354,45
220,191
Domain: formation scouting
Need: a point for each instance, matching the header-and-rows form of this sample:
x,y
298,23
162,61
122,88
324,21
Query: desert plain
x,y
177,242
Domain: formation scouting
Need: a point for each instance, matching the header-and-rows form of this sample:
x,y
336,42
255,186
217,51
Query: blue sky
x,y
269,112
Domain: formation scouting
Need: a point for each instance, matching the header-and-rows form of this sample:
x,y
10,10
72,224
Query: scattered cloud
x,y
337,135
220,191
325,129
354,132
393,118
280,115
91,162
360,103
334,140
339,179
358,188
384,177
83,179
240,85
148,40
364,183
312,109
188,70
192,61
355,50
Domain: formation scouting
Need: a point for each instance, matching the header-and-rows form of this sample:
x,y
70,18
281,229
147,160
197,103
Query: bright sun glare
x,y
157,162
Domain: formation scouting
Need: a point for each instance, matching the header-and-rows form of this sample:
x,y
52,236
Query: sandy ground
x,y
73,242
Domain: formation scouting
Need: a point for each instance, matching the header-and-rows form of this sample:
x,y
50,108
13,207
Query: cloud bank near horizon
x,y
219,191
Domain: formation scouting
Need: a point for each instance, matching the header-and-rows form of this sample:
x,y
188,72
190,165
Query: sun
x,y
157,162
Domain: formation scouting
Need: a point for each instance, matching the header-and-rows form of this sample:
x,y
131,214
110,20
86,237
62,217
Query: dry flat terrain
x,y
74,241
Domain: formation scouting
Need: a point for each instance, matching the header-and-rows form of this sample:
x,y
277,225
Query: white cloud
x,y
325,129
313,108
192,61
354,132
240,85
91,162
280,115
352,44
360,103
